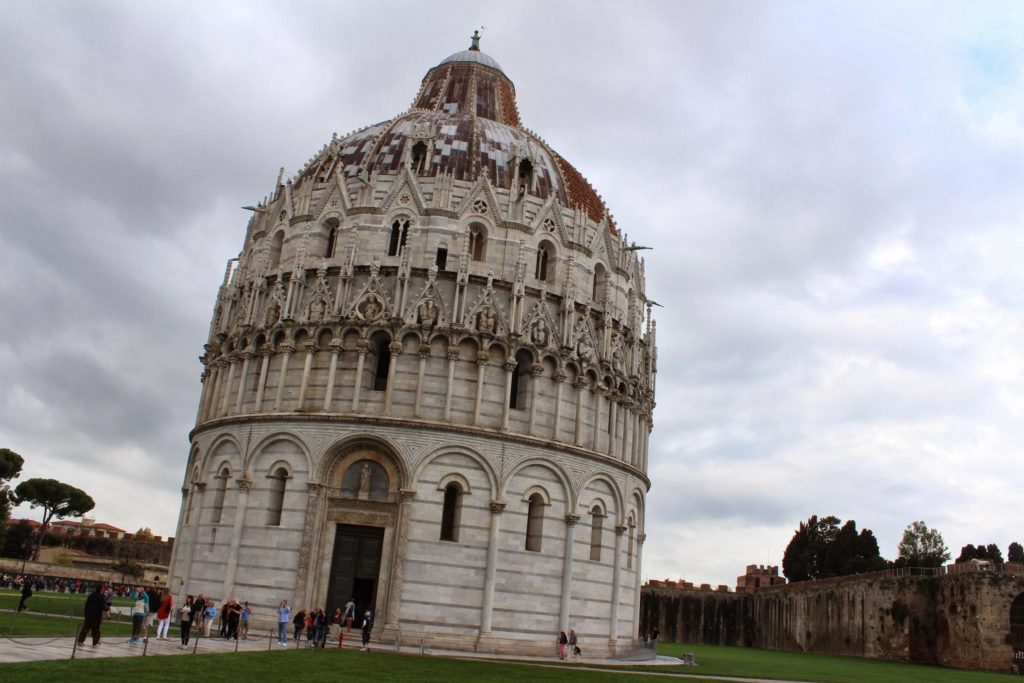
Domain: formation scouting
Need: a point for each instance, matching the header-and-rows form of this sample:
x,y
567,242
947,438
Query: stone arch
x,y
539,490
477,231
1017,629
424,459
284,435
339,456
212,454
637,504
457,478
615,492
546,464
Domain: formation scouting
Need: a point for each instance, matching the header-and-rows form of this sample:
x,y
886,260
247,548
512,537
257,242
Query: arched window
x,y
451,513
545,269
419,157
477,242
219,494
525,175
600,283
278,480
276,245
521,376
399,236
596,527
535,523
380,372
332,238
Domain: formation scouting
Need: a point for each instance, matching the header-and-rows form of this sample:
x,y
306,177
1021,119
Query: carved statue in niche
x,y
618,357
317,309
539,333
364,481
485,321
370,308
426,313
585,349
273,313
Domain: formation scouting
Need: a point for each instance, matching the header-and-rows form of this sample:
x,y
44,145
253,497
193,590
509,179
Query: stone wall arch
x,y
424,459
281,435
613,490
213,453
342,454
560,474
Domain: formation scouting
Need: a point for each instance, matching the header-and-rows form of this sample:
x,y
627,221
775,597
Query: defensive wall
x,y
951,618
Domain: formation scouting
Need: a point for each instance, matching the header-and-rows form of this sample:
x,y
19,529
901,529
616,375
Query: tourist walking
x,y
367,627
209,614
246,613
283,612
563,640
336,620
163,615
140,608
350,614
185,617
153,596
233,613
26,593
93,616
299,622
574,647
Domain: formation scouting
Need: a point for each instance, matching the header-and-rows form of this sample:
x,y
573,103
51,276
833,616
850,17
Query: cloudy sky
x,y
834,192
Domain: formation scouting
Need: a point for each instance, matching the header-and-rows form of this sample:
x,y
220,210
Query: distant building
x,y
758,576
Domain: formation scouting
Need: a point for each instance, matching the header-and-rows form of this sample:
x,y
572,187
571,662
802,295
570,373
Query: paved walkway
x,y
31,649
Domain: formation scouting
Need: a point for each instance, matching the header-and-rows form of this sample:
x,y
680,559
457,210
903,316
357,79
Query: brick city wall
x,y
959,621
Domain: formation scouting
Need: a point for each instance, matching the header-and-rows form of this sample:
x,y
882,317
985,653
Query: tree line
x,y
825,547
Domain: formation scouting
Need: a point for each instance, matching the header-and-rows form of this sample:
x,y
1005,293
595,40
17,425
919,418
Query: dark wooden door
x,y
355,568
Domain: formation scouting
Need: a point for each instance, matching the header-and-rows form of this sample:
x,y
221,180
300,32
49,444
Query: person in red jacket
x,y
163,615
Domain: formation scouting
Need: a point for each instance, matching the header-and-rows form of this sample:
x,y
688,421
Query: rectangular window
x,y
442,258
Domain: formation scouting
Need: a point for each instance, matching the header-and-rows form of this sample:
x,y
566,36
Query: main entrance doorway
x,y
355,568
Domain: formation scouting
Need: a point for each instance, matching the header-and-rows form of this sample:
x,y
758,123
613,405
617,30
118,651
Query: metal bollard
x,y
196,646
74,648
145,643
398,641
270,641
422,644
341,638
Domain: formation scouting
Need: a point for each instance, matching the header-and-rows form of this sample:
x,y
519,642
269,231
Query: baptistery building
x,y
428,386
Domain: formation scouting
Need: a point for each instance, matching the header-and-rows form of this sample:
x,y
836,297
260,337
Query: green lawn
x,y
294,665
50,603
798,666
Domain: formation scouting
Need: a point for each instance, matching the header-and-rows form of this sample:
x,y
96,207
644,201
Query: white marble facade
x,y
435,330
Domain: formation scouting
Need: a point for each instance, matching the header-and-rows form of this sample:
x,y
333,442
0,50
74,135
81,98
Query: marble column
x,y
307,367
395,349
332,374
311,526
613,618
211,406
244,485
493,540
226,399
636,595
567,554
577,435
362,348
397,576
598,392
481,369
536,371
453,357
613,422
559,383
261,383
191,530
421,372
510,367
282,376
247,356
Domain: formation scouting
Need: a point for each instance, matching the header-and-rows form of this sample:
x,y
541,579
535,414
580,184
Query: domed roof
x,y
474,56
464,121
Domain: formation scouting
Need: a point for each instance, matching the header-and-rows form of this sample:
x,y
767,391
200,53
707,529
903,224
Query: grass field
x,y
50,603
798,666
306,665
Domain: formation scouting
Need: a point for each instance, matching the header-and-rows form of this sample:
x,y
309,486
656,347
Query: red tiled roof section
x,y
509,111
581,193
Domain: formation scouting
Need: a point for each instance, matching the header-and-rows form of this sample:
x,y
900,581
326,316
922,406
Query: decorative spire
x,y
475,46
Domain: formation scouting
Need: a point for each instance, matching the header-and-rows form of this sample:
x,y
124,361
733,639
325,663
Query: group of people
x,y
318,624
568,644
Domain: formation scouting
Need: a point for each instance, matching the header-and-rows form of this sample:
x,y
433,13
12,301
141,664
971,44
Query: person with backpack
x,y
574,647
